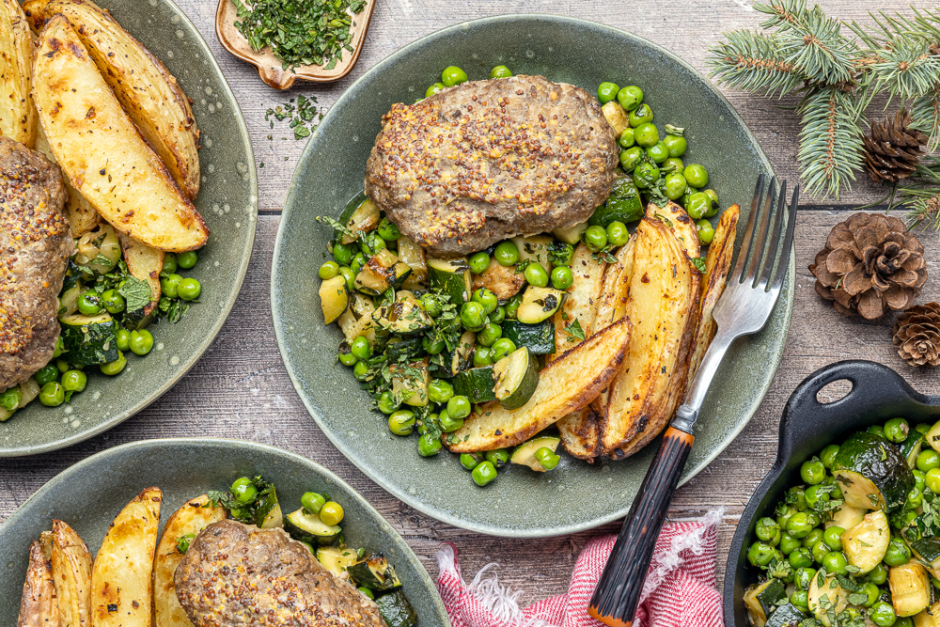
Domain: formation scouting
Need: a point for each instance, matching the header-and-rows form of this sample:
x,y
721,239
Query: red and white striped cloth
x,y
679,592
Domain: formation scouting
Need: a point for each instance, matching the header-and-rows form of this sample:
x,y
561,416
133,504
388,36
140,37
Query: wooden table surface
x,y
240,388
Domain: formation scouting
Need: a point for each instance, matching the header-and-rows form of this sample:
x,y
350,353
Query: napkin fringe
x,y
666,562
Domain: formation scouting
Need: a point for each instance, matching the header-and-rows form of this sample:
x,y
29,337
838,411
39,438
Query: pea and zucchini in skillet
x,y
485,267
857,540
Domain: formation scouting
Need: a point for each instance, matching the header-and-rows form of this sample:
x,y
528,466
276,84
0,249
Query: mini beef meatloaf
x,y
487,160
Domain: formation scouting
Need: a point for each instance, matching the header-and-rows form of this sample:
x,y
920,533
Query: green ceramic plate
x,y
520,503
228,201
90,494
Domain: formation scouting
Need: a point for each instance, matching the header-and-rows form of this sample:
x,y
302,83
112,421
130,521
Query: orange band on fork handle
x,y
680,435
607,620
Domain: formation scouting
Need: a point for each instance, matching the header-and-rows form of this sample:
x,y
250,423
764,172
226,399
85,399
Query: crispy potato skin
x,y
151,96
102,152
18,119
144,263
582,300
121,577
71,569
681,225
581,433
192,518
82,216
35,12
38,607
566,385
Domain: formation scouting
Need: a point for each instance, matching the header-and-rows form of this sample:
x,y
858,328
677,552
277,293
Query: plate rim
x,y
226,308
403,495
157,443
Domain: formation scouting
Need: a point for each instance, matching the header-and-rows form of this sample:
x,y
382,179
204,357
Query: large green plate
x,y
520,503
228,201
91,493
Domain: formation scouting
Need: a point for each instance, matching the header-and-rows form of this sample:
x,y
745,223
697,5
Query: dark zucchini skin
x,y
351,206
773,595
396,611
879,461
476,384
623,205
538,338
787,615
406,349
911,446
91,344
928,549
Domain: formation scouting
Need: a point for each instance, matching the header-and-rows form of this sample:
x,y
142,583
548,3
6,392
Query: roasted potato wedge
x,y
45,541
150,94
717,265
502,280
38,606
35,11
566,385
101,151
191,518
663,302
121,577
18,116
81,215
581,303
71,570
581,433
144,263
681,225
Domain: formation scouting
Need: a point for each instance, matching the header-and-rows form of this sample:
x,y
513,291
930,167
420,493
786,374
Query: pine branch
x,y
822,54
751,61
925,116
830,142
785,15
907,70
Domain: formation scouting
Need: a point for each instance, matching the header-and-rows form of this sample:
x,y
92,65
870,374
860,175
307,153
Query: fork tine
x,y
773,243
760,236
784,264
747,241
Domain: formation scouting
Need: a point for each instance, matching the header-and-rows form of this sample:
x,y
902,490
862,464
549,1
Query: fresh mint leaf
x,y
699,263
574,330
136,293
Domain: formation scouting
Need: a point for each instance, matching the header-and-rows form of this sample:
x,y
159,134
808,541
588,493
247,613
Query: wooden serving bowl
x,y
270,68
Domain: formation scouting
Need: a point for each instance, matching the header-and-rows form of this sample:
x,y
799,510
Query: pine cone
x,y
892,149
917,335
870,264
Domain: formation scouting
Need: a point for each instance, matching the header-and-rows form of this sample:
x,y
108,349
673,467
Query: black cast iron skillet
x,y
878,394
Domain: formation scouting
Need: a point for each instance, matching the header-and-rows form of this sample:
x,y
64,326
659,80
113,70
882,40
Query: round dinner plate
x,y
520,503
228,201
90,494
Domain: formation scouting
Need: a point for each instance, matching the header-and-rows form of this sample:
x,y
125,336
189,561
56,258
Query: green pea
x,y
760,554
169,263
469,460
366,592
361,370
115,367
595,238
673,164
113,302
815,494
453,75
800,599
800,525
459,407
472,316
905,621
358,261
696,175
788,543
785,516
387,403
927,460
498,457
10,399
361,348
502,348
713,196
877,430
187,260
812,472
433,89
832,536
836,492
244,491
641,115
490,333
313,502
645,175
141,342
350,277
922,428
547,458
484,473
506,253
536,275
498,315
630,158
562,277
820,551
697,205
828,455
47,374
607,91
440,391
766,528
706,232
803,577
500,71
878,575
344,253
347,359
429,446
674,186
431,305
328,270
816,535
512,307
388,231
657,152
914,499
52,394
898,554
630,97
882,614
932,480
627,138
647,135
801,558
482,357
89,304
797,498
401,422
189,289
873,593
123,339
675,145
62,366
479,262
617,233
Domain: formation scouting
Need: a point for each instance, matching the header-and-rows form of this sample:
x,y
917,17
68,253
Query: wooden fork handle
x,y
618,592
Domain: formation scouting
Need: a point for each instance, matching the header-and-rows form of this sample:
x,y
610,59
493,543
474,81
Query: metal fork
x,y
751,293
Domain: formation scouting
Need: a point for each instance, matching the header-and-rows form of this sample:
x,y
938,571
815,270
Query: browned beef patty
x,y
240,576
35,245
487,160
